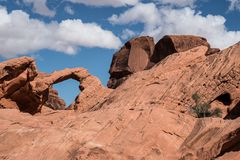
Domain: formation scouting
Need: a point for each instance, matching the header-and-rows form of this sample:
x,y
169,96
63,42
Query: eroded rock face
x,y
141,53
91,88
172,82
14,83
134,56
205,143
23,87
105,134
147,117
176,43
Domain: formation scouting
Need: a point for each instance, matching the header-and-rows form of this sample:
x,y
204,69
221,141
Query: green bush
x,y
203,109
217,112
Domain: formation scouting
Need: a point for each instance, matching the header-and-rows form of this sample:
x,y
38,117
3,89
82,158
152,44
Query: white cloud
x,y
40,7
114,3
69,10
234,5
143,13
127,34
179,3
161,21
20,35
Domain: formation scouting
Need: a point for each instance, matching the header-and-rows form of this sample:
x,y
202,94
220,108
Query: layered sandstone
x,y
170,44
15,76
92,91
141,54
172,82
134,56
53,101
149,116
23,87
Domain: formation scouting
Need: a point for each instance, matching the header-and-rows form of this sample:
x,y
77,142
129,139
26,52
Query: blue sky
x,y
86,33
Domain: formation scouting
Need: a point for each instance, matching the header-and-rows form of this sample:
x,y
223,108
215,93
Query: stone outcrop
x,y
140,54
120,134
171,83
15,75
23,87
91,88
205,143
176,43
148,117
134,56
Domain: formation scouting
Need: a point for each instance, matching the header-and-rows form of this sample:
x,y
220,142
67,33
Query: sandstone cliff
x,y
148,116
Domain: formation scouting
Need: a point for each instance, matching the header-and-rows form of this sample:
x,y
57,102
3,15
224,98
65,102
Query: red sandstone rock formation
x,y
148,117
15,75
140,54
172,82
91,88
174,44
134,56
211,138
53,101
21,86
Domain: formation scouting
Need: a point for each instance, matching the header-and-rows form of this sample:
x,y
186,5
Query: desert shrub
x,y
203,109
217,112
196,98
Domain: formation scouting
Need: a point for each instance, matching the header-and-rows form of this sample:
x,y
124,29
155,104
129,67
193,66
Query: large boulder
x,y
134,56
15,75
141,54
170,44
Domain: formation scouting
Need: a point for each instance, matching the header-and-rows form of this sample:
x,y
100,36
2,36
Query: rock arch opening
x,y
64,93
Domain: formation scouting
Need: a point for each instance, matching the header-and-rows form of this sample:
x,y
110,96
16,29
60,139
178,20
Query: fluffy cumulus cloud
x,y
114,3
20,35
143,13
234,5
40,7
164,20
178,3
127,33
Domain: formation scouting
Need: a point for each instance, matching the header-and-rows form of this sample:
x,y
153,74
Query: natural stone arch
x,y
90,86
26,89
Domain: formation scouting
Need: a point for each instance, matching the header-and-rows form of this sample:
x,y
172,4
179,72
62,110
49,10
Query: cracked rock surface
x,y
148,117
